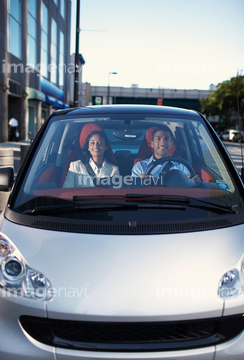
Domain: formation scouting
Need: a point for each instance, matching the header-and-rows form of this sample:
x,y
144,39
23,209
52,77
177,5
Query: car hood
x,y
163,277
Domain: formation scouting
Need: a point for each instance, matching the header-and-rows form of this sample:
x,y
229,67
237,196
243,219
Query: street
x,y
235,152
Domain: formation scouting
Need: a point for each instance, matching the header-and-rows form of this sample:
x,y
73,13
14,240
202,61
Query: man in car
x,y
162,141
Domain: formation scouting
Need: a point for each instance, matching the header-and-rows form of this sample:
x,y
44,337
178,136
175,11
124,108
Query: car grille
x,y
132,336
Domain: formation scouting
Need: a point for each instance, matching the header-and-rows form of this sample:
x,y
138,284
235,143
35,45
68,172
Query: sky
x,y
176,44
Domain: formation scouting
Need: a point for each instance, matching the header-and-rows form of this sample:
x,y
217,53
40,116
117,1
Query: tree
x,y
227,101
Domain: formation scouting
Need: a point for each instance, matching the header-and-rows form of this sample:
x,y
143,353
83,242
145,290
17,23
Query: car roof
x,y
127,109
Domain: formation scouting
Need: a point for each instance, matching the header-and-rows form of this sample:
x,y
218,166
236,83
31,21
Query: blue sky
x,y
182,44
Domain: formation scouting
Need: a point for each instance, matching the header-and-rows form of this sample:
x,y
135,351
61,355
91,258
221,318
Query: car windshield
x,y
142,163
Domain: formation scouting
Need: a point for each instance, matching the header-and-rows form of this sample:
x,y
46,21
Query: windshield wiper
x,y
47,208
189,201
131,202
132,197
70,208
105,206
163,200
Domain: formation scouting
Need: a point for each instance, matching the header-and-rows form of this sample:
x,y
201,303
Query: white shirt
x,y
78,175
13,122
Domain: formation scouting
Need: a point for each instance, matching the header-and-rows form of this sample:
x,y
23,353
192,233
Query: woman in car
x,y
96,163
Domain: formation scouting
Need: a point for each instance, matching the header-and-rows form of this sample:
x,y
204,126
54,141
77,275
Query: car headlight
x,y
232,282
18,278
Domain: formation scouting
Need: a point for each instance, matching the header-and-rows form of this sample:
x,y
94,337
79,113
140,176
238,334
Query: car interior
x,y
127,145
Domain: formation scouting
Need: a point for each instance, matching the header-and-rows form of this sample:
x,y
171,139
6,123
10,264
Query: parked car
x,y
239,137
228,135
122,266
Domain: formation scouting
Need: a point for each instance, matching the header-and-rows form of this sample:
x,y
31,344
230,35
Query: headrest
x,y
87,130
148,135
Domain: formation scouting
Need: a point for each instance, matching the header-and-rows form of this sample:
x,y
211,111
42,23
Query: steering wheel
x,y
170,158
174,177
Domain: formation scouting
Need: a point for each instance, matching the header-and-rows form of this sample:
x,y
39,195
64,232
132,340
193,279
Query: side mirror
x,y
6,178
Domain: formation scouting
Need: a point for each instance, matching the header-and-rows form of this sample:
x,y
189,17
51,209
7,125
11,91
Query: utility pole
x,y
76,78
77,55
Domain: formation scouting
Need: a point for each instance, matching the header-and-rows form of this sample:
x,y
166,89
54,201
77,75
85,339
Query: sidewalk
x,y
14,145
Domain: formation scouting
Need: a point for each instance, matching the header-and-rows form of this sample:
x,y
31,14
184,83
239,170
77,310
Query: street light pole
x,y
76,77
113,73
239,122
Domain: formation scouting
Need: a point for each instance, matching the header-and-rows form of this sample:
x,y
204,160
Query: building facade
x,y
34,58
188,99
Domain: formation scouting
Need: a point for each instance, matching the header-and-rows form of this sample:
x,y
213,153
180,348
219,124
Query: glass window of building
x,y
62,8
62,66
14,27
55,2
53,67
31,34
44,41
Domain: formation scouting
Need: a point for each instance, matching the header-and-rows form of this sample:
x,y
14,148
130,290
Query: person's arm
x,y
137,170
186,171
197,179
69,181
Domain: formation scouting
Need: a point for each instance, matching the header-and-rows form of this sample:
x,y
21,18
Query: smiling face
x,y
97,147
161,144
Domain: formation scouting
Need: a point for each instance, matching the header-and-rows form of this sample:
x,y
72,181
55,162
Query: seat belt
x,y
78,153
89,170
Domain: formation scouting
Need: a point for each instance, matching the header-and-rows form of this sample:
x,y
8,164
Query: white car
x,y
228,135
123,266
